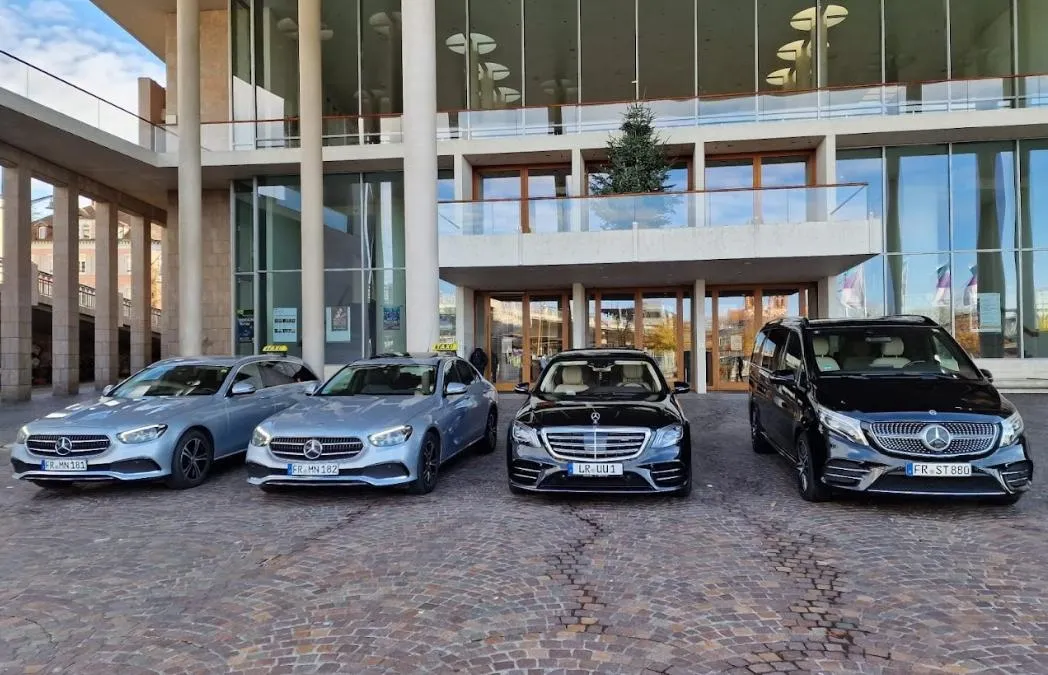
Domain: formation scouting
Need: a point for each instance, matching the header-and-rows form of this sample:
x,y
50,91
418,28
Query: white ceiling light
x,y
289,27
483,44
383,23
508,94
496,71
791,51
780,77
563,85
805,19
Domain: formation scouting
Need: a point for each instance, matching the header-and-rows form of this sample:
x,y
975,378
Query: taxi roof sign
x,y
274,349
446,347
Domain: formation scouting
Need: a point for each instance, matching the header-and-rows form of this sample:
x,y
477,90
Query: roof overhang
x,y
146,19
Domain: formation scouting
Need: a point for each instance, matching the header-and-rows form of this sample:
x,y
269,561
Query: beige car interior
x,y
892,355
571,381
822,348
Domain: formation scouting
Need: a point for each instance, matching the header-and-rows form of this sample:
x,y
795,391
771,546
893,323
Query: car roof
x,y
420,360
892,320
603,352
229,361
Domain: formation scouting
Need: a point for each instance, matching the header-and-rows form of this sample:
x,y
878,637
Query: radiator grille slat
x,y
286,447
80,445
906,438
595,443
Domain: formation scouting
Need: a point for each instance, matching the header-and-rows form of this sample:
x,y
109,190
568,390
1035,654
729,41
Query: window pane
x,y
730,207
983,187
280,301
551,30
244,220
1035,304
1033,168
445,185
853,54
863,166
985,303
385,298
915,50
1033,48
918,217
451,62
383,82
341,221
666,37
787,48
860,290
980,38
495,80
279,223
726,36
448,304
276,60
920,284
338,57
383,213
242,87
342,316
608,55
245,314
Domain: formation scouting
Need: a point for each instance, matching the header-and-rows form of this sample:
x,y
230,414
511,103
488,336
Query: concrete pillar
x,y
190,212
465,320
141,303
829,303
420,173
579,320
698,336
311,102
463,178
697,217
169,292
823,201
577,211
16,308
107,296
65,304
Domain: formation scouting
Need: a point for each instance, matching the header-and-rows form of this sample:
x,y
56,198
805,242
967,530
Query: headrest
x,y
821,346
893,348
633,371
571,375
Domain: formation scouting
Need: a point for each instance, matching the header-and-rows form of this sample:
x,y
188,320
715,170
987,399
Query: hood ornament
x,y
595,417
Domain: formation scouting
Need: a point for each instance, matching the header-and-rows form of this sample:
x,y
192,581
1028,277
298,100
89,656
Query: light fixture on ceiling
x,y
780,77
832,15
483,44
383,22
496,71
563,85
791,51
289,27
508,94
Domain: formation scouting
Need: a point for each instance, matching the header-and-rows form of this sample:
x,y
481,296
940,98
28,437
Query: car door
x,y
764,392
455,412
244,412
786,397
476,412
283,384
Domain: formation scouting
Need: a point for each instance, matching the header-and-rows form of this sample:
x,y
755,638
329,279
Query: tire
x,y
54,484
192,460
808,484
1005,500
761,446
490,441
428,466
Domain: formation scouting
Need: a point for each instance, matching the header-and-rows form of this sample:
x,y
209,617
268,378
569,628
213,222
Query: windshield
x,y
599,378
182,379
889,351
382,379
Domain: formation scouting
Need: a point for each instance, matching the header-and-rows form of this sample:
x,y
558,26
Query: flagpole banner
x,y
942,286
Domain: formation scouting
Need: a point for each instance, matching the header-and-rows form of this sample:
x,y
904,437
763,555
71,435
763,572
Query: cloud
x,y
67,40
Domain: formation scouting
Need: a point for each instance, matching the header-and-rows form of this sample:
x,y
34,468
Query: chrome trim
x,y
591,433
905,438
98,444
334,448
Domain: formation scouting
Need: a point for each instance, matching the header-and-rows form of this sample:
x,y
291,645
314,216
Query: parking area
x,y
742,577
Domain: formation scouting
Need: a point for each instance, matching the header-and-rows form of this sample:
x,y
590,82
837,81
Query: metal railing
x,y
848,202
45,286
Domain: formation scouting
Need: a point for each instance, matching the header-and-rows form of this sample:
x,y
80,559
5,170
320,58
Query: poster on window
x,y
989,312
285,325
246,327
337,326
391,317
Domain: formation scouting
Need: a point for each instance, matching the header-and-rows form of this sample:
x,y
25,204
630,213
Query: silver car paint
x,y
229,421
458,420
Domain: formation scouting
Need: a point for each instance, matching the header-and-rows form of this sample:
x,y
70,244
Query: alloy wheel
x,y
430,462
193,460
493,430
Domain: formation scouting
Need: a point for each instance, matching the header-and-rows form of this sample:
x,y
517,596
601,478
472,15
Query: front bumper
x,y
661,470
858,468
373,466
119,462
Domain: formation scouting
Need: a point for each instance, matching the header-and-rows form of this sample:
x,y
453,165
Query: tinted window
x,y
892,351
381,379
273,375
250,373
600,378
758,345
298,372
451,374
465,372
792,354
770,347
173,380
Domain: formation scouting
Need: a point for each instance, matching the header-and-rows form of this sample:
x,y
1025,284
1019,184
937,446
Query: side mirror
x,y
108,389
987,374
311,388
681,388
522,388
455,389
783,377
242,389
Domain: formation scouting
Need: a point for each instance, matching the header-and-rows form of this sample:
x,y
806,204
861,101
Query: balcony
x,y
748,235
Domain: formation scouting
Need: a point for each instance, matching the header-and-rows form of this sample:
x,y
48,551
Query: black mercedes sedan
x,y
600,420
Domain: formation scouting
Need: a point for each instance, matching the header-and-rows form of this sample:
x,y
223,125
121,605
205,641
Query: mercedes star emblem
x,y
935,437
595,417
312,449
63,446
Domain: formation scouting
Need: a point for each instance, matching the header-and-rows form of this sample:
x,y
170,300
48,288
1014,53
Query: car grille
x,y
595,443
80,445
905,438
332,448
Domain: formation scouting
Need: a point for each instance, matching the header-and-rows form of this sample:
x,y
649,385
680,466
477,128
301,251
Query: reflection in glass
x,y
244,224
780,304
783,206
244,299
280,303
386,299
709,340
1033,57
918,208
344,337
342,236
338,57
495,74
659,332
507,340
448,308
617,315
451,64
279,223
981,48
920,284
860,290
853,52
730,208
383,214
500,217
549,215
686,346
666,48
1035,303
787,47
276,71
915,55
608,55
736,328
862,166
382,81
985,306
551,64
726,37
1033,167
545,334
982,183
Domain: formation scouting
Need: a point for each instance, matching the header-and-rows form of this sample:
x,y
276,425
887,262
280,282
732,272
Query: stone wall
x,y
214,65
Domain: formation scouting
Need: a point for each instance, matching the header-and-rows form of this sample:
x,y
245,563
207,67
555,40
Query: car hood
x,y
652,415
335,415
911,394
118,414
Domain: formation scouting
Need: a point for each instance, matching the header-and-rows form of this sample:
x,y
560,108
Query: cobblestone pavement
x,y
743,577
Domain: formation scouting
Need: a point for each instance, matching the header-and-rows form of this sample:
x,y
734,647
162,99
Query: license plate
x,y
64,465
928,470
594,469
312,469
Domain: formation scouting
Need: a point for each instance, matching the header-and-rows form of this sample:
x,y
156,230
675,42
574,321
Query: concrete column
x,y
465,320
16,301
697,216
698,336
141,304
579,320
823,201
829,304
577,212
420,173
65,307
463,178
311,102
107,296
190,212
169,272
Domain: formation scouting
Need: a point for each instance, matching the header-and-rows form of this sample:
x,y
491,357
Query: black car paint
x,y
909,394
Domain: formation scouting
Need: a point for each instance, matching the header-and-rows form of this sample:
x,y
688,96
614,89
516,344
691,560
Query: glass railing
x,y
64,97
849,202
284,133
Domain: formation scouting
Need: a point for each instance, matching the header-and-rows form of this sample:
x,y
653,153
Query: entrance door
x,y
653,320
506,346
736,316
523,330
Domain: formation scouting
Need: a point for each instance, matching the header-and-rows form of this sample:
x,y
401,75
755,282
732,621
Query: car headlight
x,y
394,436
1011,428
525,435
23,436
142,434
668,436
260,437
843,425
